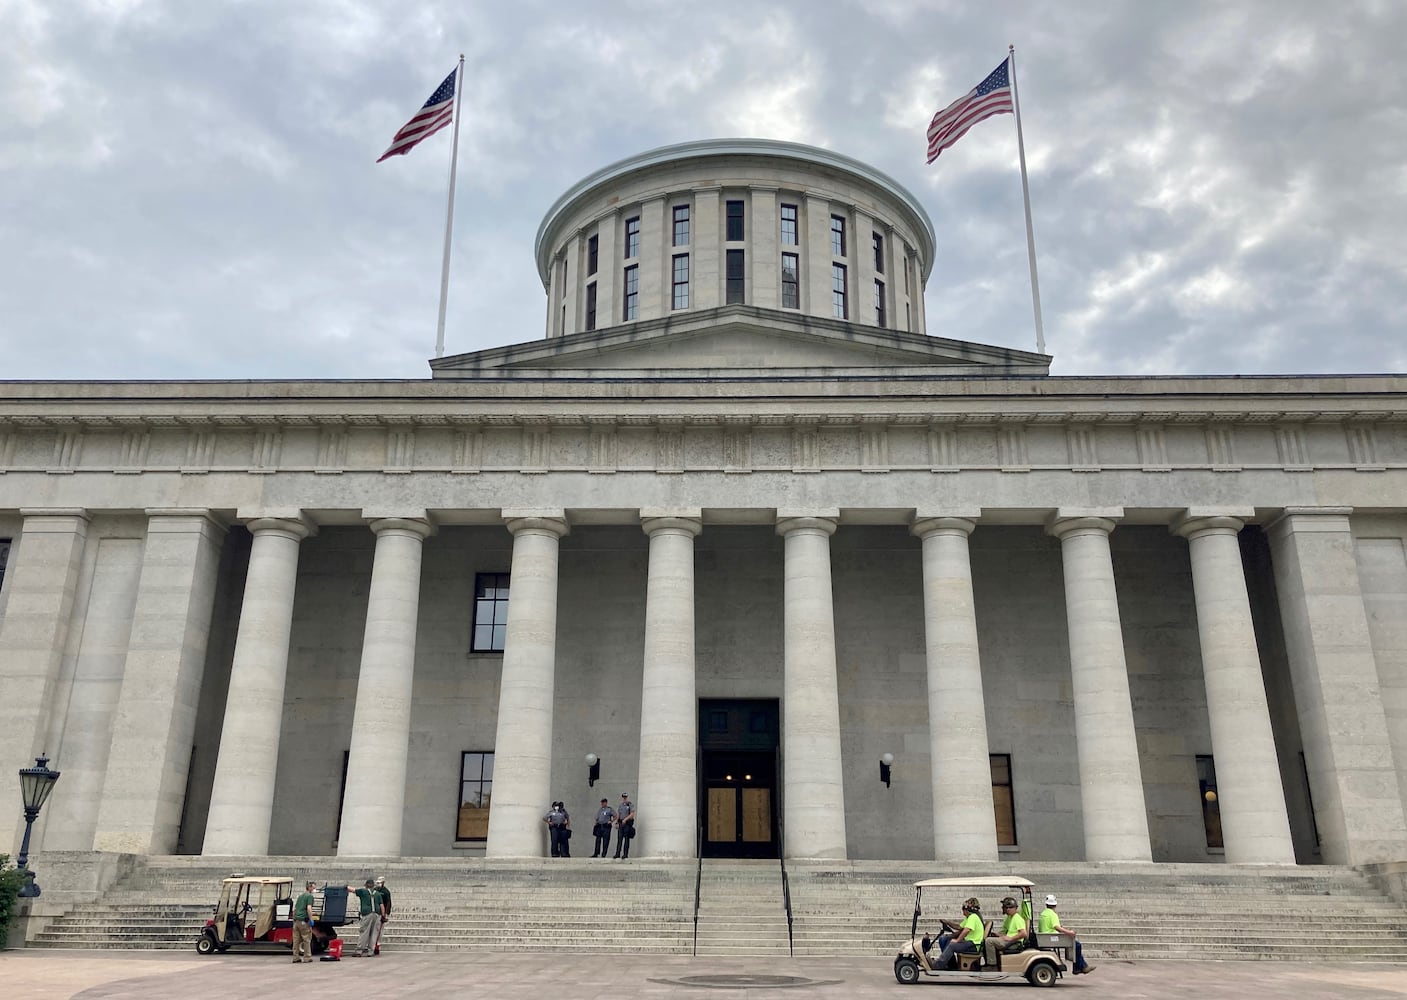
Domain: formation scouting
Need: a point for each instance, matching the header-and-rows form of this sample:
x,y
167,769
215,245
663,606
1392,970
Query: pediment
x,y
736,340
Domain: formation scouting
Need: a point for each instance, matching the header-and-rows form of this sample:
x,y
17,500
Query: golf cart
x,y
255,913
1041,963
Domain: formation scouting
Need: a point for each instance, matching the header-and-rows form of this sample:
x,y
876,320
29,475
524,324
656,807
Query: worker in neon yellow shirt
x,y
968,939
1013,935
1049,923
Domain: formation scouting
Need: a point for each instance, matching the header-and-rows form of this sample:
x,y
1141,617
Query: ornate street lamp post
x,y
35,785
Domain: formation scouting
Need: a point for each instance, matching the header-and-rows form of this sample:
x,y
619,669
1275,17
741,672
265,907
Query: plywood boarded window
x,y
1002,799
475,791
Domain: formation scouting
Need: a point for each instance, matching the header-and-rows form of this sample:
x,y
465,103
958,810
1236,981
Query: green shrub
x,y
11,879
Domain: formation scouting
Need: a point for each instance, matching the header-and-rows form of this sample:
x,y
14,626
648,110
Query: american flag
x,y
990,97
436,113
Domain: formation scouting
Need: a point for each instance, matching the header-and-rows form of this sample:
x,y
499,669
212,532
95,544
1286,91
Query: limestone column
x,y
1111,783
522,785
813,790
154,721
668,710
242,797
1255,826
374,802
1347,749
964,822
40,581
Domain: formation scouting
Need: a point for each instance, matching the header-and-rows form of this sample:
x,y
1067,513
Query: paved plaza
x,y
48,975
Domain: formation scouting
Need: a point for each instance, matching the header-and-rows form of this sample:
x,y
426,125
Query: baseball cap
x,y
1051,901
625,795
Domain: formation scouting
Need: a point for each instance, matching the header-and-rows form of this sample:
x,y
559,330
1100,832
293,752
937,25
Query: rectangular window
x,y
562,285
342,793
878,254
791,281
681,225
735,221
593,254
788,225
839,307
4,558
681,281
879,303
632,291
1211,808
735,277
632,238
905,268
475,791
1002,799
490,612
837,236
591,306
908,319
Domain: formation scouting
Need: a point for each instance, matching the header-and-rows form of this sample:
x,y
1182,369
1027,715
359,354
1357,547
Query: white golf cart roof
x,y
979,881
258,879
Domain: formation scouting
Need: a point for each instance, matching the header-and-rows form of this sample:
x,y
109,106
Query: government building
x,y
808,579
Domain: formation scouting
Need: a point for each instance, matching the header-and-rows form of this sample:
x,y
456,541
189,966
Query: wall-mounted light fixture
x,y
886,761
593,769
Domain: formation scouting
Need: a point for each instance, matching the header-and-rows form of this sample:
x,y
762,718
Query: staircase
x,y
1127,911
741,911
840,908
565,905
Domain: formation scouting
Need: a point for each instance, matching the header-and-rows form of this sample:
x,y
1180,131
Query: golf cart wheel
x,y
1041,974
206,945
906,971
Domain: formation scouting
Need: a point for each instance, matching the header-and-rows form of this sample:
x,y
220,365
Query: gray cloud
x,y
190,189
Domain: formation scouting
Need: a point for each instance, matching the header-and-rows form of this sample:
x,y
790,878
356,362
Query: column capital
x,y
422,527
541,521
944,524
1197,521
790,523
681,520
37,515
1295,519
1069,521
296,528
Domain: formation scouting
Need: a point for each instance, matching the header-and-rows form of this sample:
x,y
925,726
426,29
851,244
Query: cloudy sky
x,y
189,189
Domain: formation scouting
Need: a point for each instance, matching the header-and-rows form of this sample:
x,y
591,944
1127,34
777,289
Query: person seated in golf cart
x,y
1012,938
968,937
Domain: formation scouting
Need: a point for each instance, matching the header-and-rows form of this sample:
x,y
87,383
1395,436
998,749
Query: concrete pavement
x,y
50,975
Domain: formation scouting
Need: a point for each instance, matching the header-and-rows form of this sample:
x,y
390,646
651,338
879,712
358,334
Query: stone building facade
x,y
739,544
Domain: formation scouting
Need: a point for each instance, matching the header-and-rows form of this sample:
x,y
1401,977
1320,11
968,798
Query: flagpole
x,y
449,211
1026,199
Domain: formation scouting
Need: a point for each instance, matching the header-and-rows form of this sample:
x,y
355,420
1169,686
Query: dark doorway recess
x,y
738,741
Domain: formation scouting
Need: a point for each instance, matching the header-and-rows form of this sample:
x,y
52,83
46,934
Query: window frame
x,y
734,210
680,220
496,581
485,800
1004,759
630,299
840,293
878,253
591,306
792,286
631,247
838,236
593,254
680,287
789,222
879,311
735,285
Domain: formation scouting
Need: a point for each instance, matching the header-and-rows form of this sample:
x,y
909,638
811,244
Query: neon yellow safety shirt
x,y
1049,920
975,928
1014,926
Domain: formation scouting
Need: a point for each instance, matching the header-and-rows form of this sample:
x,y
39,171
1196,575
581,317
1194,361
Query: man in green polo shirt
x,y
370,918
303,925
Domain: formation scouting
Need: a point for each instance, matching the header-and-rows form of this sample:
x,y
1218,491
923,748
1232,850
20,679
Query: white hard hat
x,y
1051,901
